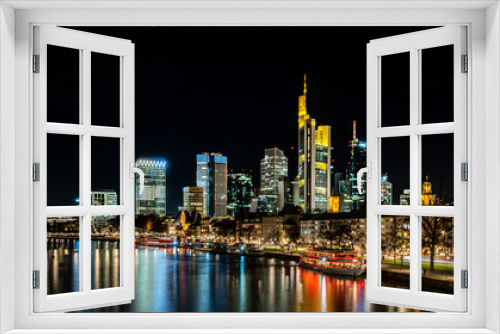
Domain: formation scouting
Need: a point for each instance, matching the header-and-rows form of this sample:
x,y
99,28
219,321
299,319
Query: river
x,y
183,280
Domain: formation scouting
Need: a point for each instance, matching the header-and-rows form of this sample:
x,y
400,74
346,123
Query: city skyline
x,y
235,90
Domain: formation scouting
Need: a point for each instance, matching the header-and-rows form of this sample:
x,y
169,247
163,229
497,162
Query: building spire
x,y
305,84
354,129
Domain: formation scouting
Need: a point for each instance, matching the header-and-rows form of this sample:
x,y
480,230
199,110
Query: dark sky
x,y
235,90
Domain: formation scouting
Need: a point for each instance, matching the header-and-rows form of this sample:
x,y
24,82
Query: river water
x,y
184,280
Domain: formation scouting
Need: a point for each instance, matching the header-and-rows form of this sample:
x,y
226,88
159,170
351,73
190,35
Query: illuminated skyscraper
x,y
314,160
239,193
193,199
386,191
273,166
357,161
211,175
153,199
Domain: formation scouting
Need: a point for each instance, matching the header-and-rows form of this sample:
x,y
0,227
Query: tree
x,y
293,234
395,236
439,230
431,237
339,234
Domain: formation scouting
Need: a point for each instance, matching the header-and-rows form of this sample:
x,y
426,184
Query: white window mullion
x,y
415,105
373,157
86,163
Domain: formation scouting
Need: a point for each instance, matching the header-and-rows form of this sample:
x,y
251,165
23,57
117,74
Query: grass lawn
x,y
276,249
445,269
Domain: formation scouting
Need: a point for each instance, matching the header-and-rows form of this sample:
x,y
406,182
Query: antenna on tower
x,y
354,129
305,84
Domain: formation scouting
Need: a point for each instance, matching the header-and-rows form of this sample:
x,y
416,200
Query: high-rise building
x,y
294,184
202,178
357,161
386,191
404,198
104,197
285,192
314,160
337,177
273,166
193,199
211,175
268,204
153,200
239,193
345,199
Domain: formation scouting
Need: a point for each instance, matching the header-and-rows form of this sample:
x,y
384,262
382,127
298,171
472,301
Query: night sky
x,y
235,90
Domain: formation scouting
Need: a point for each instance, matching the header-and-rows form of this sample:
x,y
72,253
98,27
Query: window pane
x,y
395,95
105,252
63,85
63,255
105,170
63,170
105,89
395,182
395,253
437,169
437,84
437,254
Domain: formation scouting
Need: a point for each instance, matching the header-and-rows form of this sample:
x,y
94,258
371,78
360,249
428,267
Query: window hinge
x,y
36,63
464,172
36,279
465,279
465,64
36,172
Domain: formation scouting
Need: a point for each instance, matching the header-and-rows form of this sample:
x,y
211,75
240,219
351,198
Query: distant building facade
x,y
273,167
104,197
386,191
404,198
314,160
193,199
239,193
211,175
153,200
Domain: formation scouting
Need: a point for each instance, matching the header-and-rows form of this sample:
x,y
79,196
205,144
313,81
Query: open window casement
x,y
83,215
428,222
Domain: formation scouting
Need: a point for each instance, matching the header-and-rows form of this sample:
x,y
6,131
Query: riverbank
x,y
431,281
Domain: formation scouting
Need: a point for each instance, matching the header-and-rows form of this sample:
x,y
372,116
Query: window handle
x,y
139,171
362,171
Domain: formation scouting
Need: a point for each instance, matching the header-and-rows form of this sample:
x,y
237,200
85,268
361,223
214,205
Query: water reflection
x,y
182,280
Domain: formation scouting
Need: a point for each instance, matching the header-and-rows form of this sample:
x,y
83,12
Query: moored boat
x,y
336,262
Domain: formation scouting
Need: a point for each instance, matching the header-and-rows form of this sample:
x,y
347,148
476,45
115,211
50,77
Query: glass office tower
x,y
193,199
239,193
153,200
211,175
273,167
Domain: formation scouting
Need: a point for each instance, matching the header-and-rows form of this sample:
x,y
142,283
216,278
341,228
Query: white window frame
x,y
16,21
85,43
414,43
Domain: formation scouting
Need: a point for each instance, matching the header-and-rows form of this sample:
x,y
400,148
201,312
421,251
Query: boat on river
x,y
336,262
245,250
